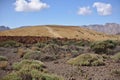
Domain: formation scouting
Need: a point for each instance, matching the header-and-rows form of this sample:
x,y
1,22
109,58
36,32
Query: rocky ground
x,y
68,72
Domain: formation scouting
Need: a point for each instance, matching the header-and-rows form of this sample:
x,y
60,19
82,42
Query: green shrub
x,y
32,55
40,44
77,43
87,60
30,70
2,58
31,75
54,41
30,64
82,43
116,57
70,42
12,76
10,44
103,46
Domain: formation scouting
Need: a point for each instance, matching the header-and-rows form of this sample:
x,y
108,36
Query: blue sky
x,y
16,13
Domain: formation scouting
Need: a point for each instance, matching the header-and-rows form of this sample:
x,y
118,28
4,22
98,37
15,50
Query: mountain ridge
x,y
2,28
108,28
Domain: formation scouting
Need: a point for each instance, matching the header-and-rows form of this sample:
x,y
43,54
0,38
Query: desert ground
x,y
58,53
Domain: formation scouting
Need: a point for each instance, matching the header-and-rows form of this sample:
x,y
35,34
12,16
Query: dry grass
x,y
21,52
64,31
3,64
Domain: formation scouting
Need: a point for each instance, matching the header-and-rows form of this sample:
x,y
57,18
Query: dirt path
x,y
51,31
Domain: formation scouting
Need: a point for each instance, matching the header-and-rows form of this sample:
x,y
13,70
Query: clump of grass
x,y
10,43
3,62
116,57
31,64
87,60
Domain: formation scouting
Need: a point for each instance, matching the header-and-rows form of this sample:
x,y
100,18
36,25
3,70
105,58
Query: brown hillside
x,y
58,31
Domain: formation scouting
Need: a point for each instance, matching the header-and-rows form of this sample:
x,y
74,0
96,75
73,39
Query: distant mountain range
x,y
108,28
2,28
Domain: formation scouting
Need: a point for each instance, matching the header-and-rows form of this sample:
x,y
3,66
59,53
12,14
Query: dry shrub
x,y
116,57
34,48
21,52
3,64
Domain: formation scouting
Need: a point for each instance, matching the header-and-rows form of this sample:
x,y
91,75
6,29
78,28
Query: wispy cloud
x,y
84,11
103,8
29,6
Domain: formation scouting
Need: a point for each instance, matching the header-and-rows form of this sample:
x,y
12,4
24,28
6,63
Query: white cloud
x,y
29,5
103,8
84,11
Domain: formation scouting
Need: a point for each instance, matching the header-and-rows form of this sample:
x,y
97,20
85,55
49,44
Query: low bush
x,y
10,44
36,55
31,75
2,58
77,43
31,64
87,59
55,41
40,45
116,57
116,72
103,46
82,43
30,70
21,52
3,62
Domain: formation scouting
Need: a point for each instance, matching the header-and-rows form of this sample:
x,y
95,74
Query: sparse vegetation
x,y
82,63
88,59
10,43
30,70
